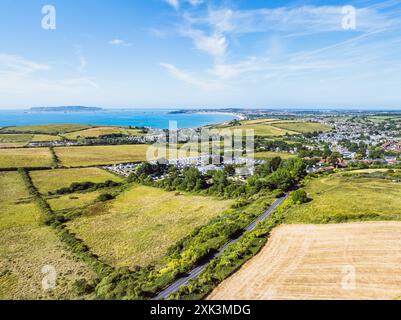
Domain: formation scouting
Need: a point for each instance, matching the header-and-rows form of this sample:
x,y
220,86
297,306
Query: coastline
x,y
237,116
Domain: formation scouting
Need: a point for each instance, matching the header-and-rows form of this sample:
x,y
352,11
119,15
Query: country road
x,y
194,273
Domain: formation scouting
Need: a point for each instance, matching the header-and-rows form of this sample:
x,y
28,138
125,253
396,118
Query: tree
x,y
300,196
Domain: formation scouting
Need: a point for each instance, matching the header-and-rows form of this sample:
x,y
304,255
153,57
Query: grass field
x,y
99,131
271,154
15,138
148,221
302,127
28,158
73,201
97,155
339,198
28,247
45,137
21,140
52,180
317,262
47,129
277,128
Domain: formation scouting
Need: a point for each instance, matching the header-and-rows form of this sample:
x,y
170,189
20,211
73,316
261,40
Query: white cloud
x,y
174,3
186,77
215,44
119,42
16,64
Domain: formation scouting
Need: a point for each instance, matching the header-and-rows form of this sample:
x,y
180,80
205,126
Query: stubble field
x,y
335,261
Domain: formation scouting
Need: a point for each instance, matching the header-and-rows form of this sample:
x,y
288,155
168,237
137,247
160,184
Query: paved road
x,y
198,270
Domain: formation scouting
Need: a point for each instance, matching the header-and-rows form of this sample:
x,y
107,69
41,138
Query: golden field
x,y
335,261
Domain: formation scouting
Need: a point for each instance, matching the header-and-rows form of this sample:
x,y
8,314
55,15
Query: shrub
x,y
300,196
105,197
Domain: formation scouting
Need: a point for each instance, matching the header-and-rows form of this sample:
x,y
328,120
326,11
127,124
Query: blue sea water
x,y
155,118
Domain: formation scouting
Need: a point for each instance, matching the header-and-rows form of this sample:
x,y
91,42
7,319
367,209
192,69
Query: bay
x,y
155,118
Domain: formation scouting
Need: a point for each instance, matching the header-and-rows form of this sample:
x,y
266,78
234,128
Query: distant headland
x,y
65,109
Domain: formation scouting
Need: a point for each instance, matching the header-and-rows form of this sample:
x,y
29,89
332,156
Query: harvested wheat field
x,y
318,262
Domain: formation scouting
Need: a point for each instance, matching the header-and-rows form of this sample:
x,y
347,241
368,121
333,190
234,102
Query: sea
x,y
154,118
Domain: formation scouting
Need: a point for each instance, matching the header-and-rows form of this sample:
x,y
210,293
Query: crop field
x,y
98,155
52,180
340,198
335,261
148,221
28,158
302,127
99,131
47,129
30,247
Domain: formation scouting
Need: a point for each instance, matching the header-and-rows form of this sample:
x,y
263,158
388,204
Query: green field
x,y
73,201
277,128
148,221
271,154
28,247
47,129
341,198
52,180
28,158
98,155
302,127
45,138
21,140
100,131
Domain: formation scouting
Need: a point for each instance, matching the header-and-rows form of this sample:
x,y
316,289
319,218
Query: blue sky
x,y
200,53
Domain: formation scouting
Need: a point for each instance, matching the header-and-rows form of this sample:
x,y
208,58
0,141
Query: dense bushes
x,y
86,186
274,174
300,196
105,197
55,159
232,259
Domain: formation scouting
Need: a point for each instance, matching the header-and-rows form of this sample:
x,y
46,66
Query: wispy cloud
x,y
212,31
19,65
120,42
214,44
189,78
176,3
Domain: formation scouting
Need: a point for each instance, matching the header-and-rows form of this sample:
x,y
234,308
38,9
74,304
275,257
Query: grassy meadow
x,y
302,127
20,140
73,201
24,157
52,180
30,247
99,155
100,131
52,129
342,198
270,154
148,221
277,128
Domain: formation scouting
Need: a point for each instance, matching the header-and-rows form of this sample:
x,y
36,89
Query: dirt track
x,y
339,261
